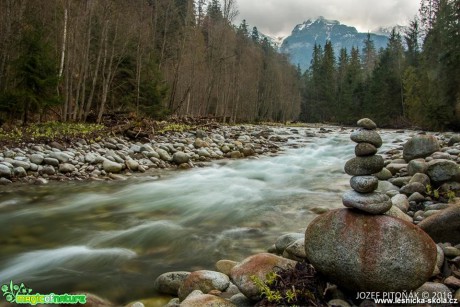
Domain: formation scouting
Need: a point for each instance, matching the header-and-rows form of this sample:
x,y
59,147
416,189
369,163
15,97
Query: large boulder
x,y
362,252
420,146
442,170
444,226
258,265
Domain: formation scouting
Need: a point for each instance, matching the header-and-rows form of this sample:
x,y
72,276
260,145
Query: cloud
x,y
278,17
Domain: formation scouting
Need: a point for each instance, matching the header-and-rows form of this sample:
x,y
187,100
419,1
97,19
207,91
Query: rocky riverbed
x,y
420,177
116,158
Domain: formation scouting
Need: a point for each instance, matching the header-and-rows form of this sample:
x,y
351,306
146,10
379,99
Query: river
x,y
114,238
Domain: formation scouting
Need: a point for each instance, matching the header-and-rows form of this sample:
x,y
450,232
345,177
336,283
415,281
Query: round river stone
x,y
360,166
367,123
420,146
364,184
365,149
366,136
362,252
373,203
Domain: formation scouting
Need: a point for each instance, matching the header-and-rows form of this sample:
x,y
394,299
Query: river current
x,y
114,238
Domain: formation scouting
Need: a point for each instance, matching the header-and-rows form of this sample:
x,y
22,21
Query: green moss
x,y
294,286
49,131
447,196
173,127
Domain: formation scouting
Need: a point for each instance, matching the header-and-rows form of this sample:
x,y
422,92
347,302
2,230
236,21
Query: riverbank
x,y
119,157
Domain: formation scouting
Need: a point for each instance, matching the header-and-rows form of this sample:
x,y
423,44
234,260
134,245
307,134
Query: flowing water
x,y
114,238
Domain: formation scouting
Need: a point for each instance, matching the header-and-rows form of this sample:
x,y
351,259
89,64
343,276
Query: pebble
x,y
411,188
36,158
66,168
287,239
296,250
384,174
417,166
51,161
416,197
169,283
452,282
112,167
396,212
203,280
400,201
198,299
338,303
180,157
20,172
257,265
450,251
48,170
225,266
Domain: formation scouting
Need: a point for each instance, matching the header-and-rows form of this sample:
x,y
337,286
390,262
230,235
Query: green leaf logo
x,y
10,291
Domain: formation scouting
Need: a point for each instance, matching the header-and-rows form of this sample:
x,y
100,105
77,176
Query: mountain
x,y
387,30
299,45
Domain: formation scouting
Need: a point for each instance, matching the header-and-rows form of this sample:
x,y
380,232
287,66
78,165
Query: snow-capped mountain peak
x,y
299,45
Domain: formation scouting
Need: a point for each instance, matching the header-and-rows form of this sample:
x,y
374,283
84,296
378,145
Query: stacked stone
x,y
366,163
361,249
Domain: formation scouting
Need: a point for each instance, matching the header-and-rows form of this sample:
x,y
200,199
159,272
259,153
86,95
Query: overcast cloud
x,y
278,17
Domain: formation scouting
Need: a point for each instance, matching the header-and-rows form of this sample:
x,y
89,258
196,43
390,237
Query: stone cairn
x,y
362,167
358,247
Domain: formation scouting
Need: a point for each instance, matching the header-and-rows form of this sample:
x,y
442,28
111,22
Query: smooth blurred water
x,y
114,238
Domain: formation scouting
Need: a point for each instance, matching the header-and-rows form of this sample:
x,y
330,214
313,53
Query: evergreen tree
x,y
342,69
385,96
369,56
243,28
411,37
312,81
255,35
36,73
441,64
328,83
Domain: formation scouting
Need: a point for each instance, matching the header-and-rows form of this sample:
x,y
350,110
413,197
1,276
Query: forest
x,y
75,61
414,81
71,60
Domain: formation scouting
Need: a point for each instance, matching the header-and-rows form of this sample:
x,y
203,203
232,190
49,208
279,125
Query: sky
x,y
278,17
